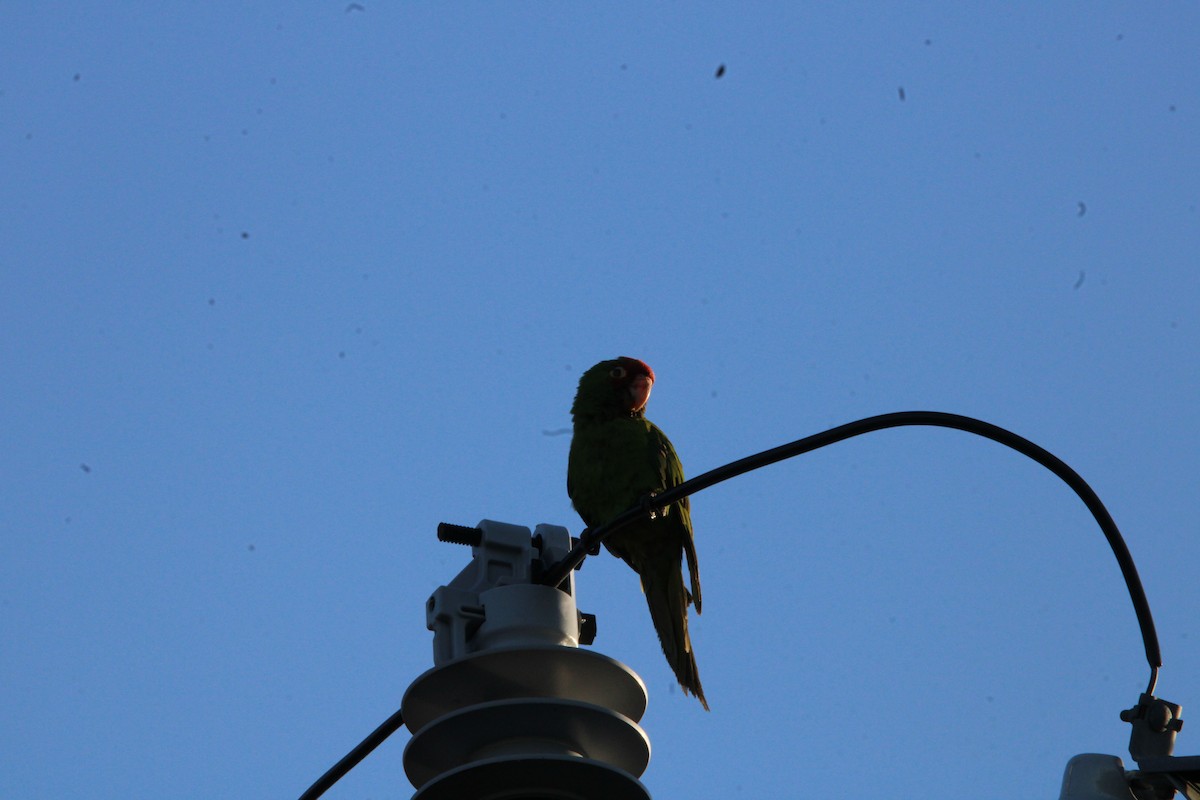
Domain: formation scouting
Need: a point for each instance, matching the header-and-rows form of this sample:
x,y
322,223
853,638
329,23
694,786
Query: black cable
x,y
591,539
351,759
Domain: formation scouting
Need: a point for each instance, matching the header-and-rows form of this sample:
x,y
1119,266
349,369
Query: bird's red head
x,y
633,379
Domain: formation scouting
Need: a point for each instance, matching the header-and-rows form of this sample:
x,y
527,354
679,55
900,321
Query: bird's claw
x,y
593,548
648,506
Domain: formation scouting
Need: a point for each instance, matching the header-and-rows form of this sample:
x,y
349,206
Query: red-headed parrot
x,y
618,459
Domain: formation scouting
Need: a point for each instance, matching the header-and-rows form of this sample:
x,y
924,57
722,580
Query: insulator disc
x,y
546,778
526,728
563,672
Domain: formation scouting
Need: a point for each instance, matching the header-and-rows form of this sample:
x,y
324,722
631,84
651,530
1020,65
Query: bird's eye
x,y
617,372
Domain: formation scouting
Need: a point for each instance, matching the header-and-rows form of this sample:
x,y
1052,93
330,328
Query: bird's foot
x,y
653,511
593,548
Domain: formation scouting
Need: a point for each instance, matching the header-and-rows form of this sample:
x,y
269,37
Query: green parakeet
x,y
618,458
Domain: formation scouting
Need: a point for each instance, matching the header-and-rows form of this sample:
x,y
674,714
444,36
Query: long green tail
x,y
668,601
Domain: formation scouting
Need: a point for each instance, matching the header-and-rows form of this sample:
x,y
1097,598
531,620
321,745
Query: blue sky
x,y
283,286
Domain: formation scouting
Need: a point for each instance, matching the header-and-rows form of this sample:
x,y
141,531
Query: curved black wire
x,y
351,759
590,539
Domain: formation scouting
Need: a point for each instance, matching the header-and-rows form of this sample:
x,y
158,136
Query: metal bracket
x,y
1152,741
504,556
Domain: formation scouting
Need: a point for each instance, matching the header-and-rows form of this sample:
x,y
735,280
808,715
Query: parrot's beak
x,y
639,392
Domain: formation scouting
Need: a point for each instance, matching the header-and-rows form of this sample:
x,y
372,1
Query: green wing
x,y
612,466
670,470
